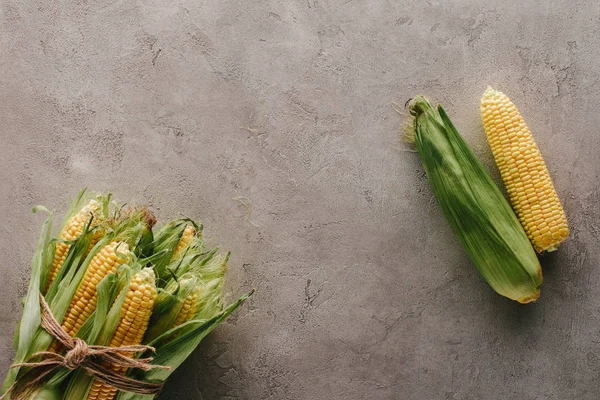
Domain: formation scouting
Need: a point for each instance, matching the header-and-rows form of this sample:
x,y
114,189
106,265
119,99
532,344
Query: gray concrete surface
x,y
362,291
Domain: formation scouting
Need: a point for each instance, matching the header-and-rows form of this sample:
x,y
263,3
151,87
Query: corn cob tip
x,y
146,276
185,240
120,247
489,94
91,206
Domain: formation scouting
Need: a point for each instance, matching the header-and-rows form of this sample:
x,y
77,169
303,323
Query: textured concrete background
x,y
362,292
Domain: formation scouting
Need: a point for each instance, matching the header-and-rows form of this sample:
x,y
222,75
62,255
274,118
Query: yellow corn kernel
x,y
135,315
524,172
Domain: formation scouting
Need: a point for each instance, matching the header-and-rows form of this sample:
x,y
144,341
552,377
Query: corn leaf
x,y
30,320
49,394
78,386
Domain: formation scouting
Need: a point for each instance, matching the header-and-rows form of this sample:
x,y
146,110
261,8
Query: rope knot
x,y
77,355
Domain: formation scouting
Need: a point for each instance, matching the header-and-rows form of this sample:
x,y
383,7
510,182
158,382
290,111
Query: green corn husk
x,y
475,208
29,325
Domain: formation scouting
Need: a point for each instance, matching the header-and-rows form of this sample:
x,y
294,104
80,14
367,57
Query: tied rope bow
x,y
97,361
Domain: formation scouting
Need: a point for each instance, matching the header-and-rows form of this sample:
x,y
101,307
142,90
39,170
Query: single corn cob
x,y
72,230
189,308
186,239
476,210
524,172
135,314
84,302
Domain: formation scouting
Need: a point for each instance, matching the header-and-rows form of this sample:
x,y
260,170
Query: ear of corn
x,y
186,239
524,172
168,305
475,208
71,231
84,302
172,242
197,294
135,315
190,306
112,292
59,300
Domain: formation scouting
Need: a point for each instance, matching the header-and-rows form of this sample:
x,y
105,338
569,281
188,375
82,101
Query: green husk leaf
x,y
476,210
193,262
78,386
31,318
49,394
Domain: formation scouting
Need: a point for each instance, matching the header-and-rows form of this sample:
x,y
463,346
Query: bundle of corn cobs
x,y
110,281
500,241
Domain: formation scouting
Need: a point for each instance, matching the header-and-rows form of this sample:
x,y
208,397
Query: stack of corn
x,y
109,282
500,240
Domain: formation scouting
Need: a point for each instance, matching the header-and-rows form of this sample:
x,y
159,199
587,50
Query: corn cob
x,y
524,172
135,314
476,210
72,230
84,302
185,240
189,308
